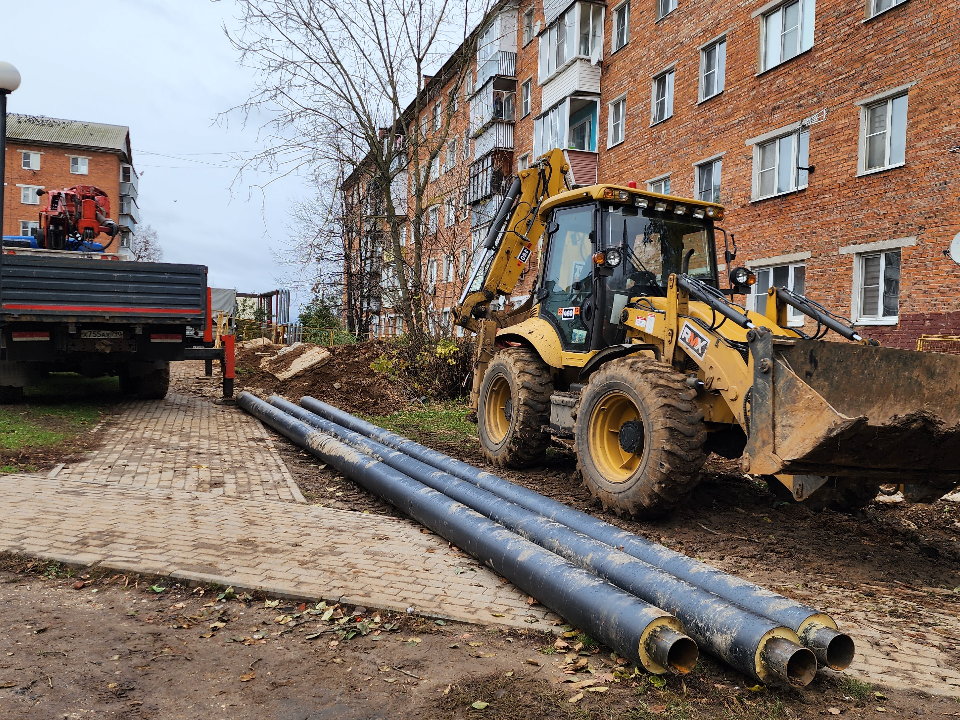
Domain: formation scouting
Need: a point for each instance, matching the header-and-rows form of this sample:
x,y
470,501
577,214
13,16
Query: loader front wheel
x,y
639,437
513,408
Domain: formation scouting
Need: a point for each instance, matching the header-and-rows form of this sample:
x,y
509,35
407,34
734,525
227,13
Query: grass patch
x,y
857,689
441,421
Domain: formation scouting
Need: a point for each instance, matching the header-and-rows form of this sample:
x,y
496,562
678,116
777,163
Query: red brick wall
x,y
54,174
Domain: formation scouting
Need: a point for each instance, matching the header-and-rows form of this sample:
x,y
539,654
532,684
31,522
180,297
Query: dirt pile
x,y
345,380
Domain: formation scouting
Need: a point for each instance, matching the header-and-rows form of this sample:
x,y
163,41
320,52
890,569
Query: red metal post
x,y
208,333
229,364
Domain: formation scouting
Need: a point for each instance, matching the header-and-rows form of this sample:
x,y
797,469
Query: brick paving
x,y
287,549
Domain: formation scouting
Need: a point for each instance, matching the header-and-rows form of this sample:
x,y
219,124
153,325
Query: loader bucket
x,y
836,408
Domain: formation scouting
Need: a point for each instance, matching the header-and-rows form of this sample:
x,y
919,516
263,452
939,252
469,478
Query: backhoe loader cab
x,y
629,352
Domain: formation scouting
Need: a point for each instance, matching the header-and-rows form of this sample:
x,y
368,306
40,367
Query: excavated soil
x,y
345,380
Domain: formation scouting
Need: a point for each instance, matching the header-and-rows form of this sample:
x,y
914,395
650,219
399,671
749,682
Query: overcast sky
x,y
165,69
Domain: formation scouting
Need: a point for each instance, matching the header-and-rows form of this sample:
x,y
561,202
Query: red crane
x,y
74,216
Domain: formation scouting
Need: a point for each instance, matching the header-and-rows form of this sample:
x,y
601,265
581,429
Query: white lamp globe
x,y
9,77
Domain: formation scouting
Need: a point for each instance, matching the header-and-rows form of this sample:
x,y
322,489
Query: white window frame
x,y
667,78
28,225
613,137
435,168
448,268
433,219
431,272
528,32
664,8
662,182
621,22
526,97
523,162
85,164
757,300
437,114
861,251
771,22
451,160
29,191
720,71
559,49
799,178
885,99
31,155
872,11
464,263
716,163
449,212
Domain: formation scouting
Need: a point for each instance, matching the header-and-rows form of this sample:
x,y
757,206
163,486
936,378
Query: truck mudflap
x,y
835,408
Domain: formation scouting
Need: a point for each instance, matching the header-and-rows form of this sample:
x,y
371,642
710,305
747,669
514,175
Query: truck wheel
x,y
150,386
843,494
514,405
639,437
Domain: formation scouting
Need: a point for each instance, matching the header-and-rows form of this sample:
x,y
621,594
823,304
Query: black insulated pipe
x,y
816,630
619,620
732,634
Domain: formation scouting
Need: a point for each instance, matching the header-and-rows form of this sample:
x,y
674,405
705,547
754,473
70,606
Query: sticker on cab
x,y
568,313
645,322
524,255
694,340
578,336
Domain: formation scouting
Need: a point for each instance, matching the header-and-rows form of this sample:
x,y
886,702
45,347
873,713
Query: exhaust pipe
x,y
816,630
632,627
734,635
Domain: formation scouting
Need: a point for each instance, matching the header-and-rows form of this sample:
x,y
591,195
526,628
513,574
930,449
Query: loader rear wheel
x,y
514,405
843,494
639,437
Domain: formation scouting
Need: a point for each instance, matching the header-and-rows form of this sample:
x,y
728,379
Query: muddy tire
x,y
843,494
928,492
151,386
639,437
513,408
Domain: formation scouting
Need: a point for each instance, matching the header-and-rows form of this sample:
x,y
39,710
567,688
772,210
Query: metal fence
x,y
949,344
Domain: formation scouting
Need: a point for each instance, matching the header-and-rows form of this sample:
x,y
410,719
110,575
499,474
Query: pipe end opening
x,y
801,667
672,650
840,652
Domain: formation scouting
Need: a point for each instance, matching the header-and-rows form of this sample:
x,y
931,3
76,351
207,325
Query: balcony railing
x,y
129,209
500,63
491,105
497,136
128,189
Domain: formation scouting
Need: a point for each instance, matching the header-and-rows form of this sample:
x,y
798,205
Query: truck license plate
x,y
102,334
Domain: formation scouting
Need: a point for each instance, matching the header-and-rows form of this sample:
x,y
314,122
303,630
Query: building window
x,y
665,7
528,26
779,166
615,121
433,216
437,115
29,228
662,97
660,185
126,239
576,33
554,128
435,168
126,174
787,32
451,155
448,268
883,134
581,137
449,212
30,161
28,195
79,165
713,65
432,272
879,6
621,26
708,180
524,162
468,83
525,89
791,277
879,291
464,258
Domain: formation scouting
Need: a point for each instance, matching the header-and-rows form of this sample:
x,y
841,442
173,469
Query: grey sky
x,y
166,70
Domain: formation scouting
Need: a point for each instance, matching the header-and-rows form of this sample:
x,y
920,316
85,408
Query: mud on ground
x,y
102,645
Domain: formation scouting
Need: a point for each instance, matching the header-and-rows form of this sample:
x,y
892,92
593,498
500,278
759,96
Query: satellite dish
x,y
954,251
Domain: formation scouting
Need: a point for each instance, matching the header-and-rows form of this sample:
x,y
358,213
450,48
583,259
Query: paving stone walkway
x,y
187,443
286,549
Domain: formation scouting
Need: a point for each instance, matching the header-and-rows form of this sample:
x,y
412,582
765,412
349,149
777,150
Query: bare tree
x,y
343,87
146,246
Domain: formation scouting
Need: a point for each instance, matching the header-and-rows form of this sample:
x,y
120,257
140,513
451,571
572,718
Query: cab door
x,y
566,287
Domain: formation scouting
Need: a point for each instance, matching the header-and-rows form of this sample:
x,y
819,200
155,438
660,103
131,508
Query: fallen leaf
x,y
247,677
881,709
113,685
439,622
498,614
157,589
271,603
597,689
338,661
833,710
207,635
474,644
479,705
301,607
657,709
561,644
78,584
7,684
454,646
509,674
217,625
390,680
576,698
532,662
879,696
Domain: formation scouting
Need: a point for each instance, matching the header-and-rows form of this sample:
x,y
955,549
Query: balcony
x,y
484,213
128,189
497,136
487,177
129,212
495,102
501,63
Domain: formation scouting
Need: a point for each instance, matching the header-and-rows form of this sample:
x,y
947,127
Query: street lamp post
x,y
9,81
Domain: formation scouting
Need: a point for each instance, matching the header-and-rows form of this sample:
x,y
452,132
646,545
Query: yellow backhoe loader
x,y
630,352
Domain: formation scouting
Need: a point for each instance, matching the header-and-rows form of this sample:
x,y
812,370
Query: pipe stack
x,y
586,570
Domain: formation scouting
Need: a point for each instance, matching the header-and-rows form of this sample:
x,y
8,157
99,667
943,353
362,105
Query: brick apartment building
x,y
52,154
829,130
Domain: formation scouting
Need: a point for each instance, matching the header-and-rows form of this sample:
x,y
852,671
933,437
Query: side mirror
x,y
954,252
41,192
